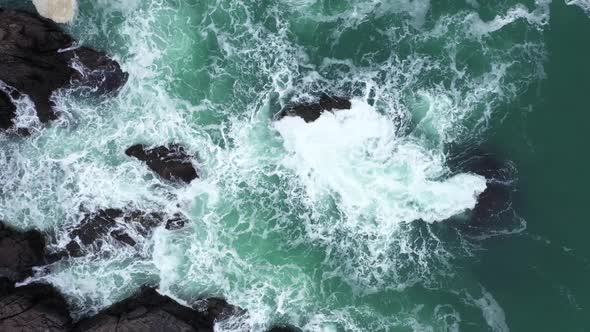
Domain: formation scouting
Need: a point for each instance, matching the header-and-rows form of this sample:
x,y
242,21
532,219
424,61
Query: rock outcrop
x,y
35,307
150,311
37,58
312,111
19,253
40,307
7,111
118,225
170,162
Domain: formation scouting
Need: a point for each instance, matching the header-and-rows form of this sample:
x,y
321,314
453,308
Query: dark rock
x,y
35,307
214,310
116,224
476,160
36,58
7,111
496,200
6,286
93,231
176,222
170,162
312,111
100,73
150,311
19,252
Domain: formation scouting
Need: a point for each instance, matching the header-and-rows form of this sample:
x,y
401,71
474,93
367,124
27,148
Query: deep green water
x,y
340,225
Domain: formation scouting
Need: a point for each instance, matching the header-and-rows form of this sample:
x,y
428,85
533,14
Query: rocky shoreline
x,y
38,58
40,307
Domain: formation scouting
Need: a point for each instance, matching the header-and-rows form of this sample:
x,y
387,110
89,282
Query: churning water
x,y
337,225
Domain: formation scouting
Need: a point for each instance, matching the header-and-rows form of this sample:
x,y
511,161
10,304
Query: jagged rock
x,y
19,252
96,228
150,311
7,111
36,58
35,307
312,111
100,73
170,162
214,310
176,222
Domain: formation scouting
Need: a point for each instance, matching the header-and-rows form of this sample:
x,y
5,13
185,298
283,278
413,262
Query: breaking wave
x,y
301,223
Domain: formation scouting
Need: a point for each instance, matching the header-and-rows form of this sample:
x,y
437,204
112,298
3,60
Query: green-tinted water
x,y
337,225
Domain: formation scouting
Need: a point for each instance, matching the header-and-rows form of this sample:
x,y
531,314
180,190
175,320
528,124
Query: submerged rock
x,y
176,222
118,225
170,162
37,58
19,253
284,328
496,199
312,111
35,307
150,311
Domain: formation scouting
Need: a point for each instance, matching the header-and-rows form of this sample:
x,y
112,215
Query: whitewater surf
x,y
365,219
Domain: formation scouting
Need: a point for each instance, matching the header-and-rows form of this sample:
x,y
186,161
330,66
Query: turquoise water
x,y
343,224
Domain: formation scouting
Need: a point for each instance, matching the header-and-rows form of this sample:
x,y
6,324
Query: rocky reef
x,y
41,307
311,111
117,225
38,58
171,162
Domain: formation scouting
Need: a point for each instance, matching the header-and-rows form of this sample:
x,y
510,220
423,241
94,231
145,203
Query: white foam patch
x,y
60,11
491,310
358,12
537,17
355,156
583,4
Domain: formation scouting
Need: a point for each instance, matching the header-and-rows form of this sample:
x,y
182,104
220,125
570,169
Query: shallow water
x,y
354,222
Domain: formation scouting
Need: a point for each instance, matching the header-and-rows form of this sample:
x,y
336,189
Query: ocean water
x,y
358,221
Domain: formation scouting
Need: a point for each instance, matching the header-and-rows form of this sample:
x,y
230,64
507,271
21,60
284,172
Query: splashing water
x,y
312,224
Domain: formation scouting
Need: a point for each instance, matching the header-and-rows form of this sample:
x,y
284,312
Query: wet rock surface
x,y
7,111
118,225
19,252
40,307
312,111
35,307
36,58
171,162
150,311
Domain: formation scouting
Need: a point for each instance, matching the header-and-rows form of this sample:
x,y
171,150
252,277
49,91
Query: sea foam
x,y
308,224
355,157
